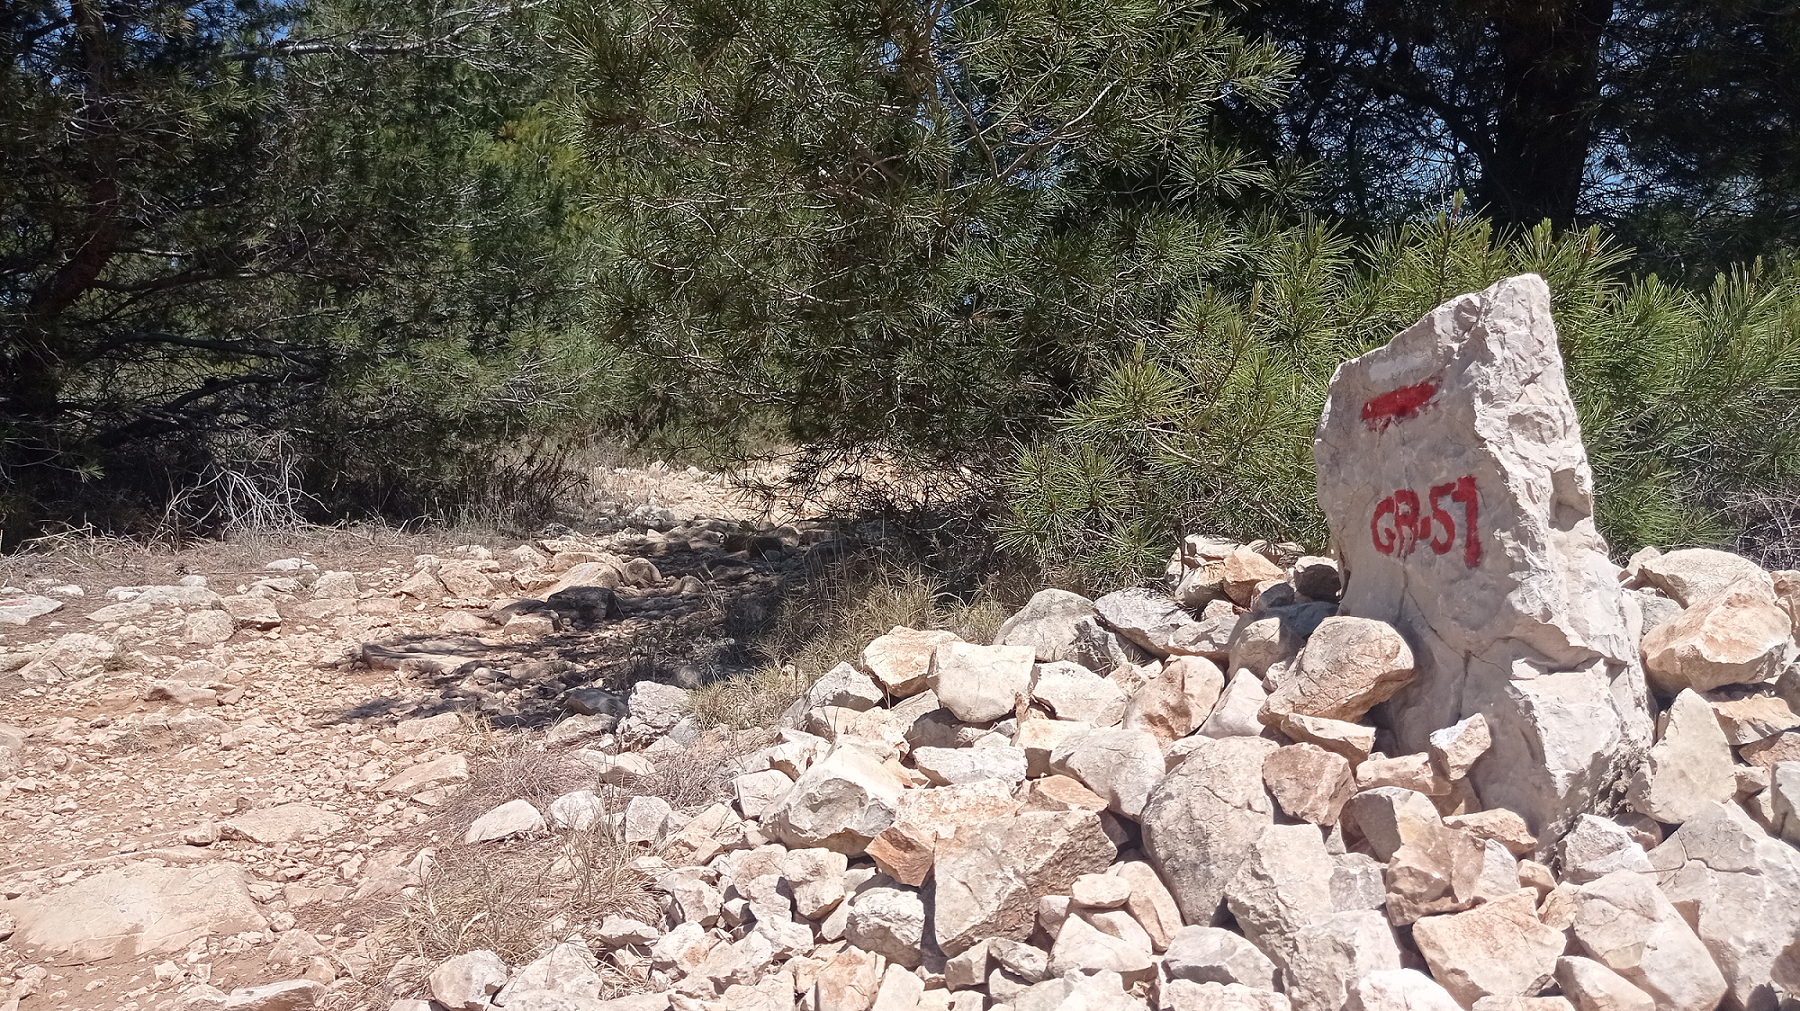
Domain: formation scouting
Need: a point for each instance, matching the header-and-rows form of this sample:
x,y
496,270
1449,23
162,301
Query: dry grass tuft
x,y
506,766
698,776
515,898
829,622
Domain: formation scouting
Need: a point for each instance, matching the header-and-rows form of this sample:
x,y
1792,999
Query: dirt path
x,y
137,755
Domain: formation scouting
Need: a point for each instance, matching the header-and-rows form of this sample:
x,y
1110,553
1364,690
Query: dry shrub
x,y
504,767
517,897
695,777
829,622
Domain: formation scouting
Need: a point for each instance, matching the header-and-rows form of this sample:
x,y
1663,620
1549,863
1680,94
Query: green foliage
x,y
898,226
1685,397
280,249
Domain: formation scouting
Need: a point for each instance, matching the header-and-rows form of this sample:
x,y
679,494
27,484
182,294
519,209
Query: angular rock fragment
x,y
1688,768
1348,665
899,661
1122,766
1202,819
1740,635
1176,702
991,875
1498,948
980,684
1624,922
1308,782
1046,623
841,803
1692,574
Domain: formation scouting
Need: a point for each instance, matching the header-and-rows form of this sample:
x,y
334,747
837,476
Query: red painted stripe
x,y
1397,405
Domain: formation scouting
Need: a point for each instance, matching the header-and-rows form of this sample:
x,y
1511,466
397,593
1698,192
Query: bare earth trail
x,y
135,750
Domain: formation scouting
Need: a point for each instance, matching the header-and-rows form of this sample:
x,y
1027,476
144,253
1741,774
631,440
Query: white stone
x,y
1072,692
17,608
1455,749
1498,948
1326,958
757,792
1202,819
282,823
889,921
839,803
515,817
134,910
1624,922
980,684
900,661
646,819
1238,713
1596,846
1518,615
1283,886
1399,990
990,875
1176,702
1741,891
1046,623
465,982
1688,768
1121,766
1740,635
1081,948
956,766
1692,574
578,809
1216,955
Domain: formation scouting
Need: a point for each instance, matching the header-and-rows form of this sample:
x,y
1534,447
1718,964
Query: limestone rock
x,y
1752,718
74,655
1072,692
1039,738
1326,959
952,766
1741,891
1046,623
465,982
1308,782
1784,791
1498,948
287,995
137,909
889,921
1398,990
900,660
207,628
1283,885
1452,474
1624,922
282,823
251,611
990,875
1693,574
1149,902
980,684
1202,819
567,969
1591,986
907,849
1145,617
840,803
1181,995
845,687
1596,847
1740,635
1080,948
1390,817
1216,955
1351,740
1239,712
1440,871
20,608
1409,772
1454,749
757,792
1176,702
1349,664
1688,768
1242,570
448,769
1122,766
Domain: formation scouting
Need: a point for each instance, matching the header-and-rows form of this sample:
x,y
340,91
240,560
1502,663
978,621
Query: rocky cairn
x,y
1464,762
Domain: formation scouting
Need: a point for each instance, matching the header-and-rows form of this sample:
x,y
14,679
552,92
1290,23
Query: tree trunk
x,y
1550,52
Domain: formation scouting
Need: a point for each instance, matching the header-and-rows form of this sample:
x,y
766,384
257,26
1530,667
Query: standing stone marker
x,y
1451,469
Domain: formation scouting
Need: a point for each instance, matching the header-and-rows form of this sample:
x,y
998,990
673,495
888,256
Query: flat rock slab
x,y
135,910
17,609
1453,475
281,824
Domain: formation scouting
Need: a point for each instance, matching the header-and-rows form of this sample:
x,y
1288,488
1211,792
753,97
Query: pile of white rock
x,y
1090,813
